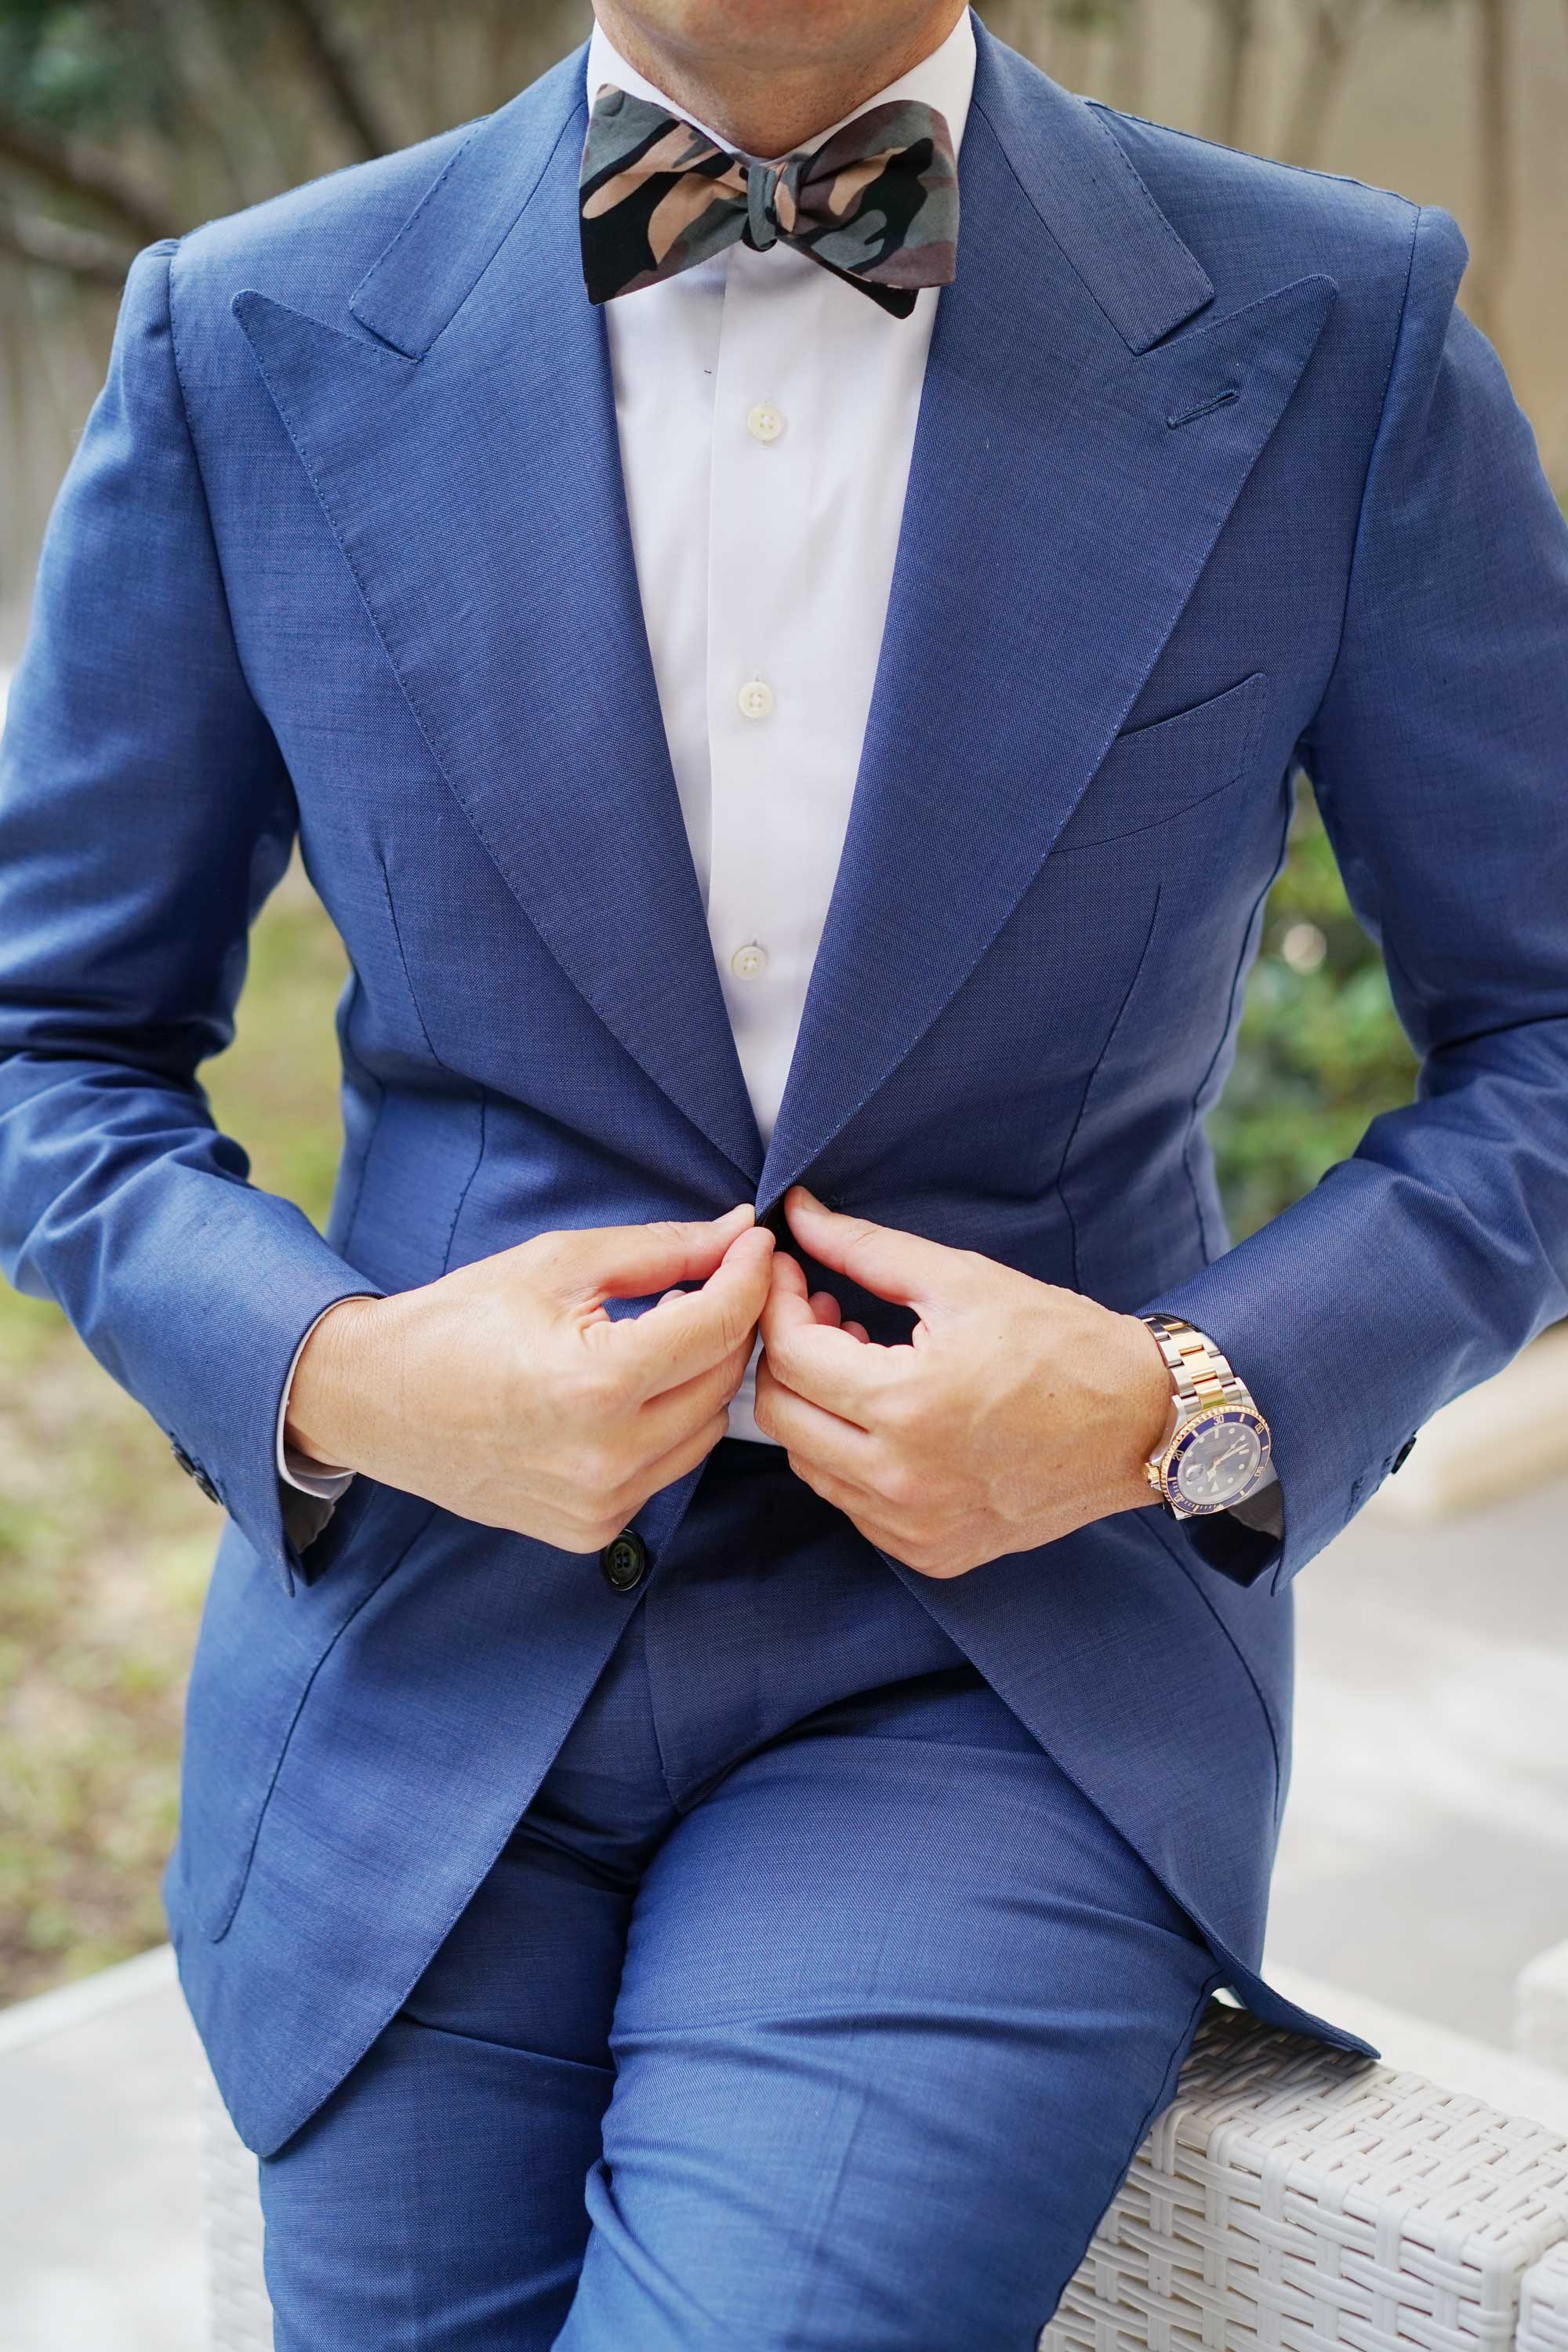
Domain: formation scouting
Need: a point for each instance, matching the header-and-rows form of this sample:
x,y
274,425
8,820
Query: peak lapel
x,y
468,463
1072,472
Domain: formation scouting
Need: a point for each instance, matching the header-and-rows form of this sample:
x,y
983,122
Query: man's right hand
x,y
506,1394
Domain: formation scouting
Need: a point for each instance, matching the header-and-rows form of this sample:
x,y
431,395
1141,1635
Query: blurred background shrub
x,y
123,121
1320,1052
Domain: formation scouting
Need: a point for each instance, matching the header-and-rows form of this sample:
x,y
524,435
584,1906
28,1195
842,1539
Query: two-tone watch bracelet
x,y
1201,1377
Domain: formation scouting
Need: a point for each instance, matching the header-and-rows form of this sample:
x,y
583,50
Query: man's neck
x,y
759,104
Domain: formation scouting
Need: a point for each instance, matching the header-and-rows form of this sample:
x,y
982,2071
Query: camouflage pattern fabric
x,y
877,205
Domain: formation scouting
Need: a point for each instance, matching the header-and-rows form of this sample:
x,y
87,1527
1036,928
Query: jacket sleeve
x,y
145,815
1439,756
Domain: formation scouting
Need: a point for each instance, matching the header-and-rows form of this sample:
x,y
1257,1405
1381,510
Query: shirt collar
x,y
945,80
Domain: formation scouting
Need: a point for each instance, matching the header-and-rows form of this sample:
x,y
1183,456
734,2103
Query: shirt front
x,y
766,415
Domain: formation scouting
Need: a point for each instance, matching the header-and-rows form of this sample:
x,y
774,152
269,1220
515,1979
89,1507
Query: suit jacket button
x,y
625,1562
193,1470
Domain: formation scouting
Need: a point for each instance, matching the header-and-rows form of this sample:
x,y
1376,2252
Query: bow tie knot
x,y
876,205
762,224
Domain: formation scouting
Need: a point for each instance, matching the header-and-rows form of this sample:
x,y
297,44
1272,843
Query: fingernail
x,y
808,1196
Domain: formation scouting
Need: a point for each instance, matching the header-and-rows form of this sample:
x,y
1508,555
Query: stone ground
x,y
1425,1857
1425,1860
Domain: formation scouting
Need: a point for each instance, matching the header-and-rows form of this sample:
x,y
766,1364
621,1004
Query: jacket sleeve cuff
x,y
222,1407
1277,1305
296,1469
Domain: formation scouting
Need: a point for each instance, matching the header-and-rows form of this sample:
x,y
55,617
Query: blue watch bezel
x,y
1170,1468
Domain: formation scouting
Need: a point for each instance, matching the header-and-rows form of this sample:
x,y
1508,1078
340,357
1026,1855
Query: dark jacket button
x,y
625,1562
193,1470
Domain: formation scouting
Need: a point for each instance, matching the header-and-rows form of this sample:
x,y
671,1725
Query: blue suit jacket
x,y
1211,479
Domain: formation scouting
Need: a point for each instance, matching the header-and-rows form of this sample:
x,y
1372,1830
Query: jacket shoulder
x,y
309,247
314,244
1253,222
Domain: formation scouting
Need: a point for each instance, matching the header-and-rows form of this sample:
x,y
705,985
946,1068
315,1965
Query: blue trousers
x,y
809,2005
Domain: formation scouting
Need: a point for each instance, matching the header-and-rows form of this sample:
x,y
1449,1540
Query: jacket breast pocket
x,y
1153,773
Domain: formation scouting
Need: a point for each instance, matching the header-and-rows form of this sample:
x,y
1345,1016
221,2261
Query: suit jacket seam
x,y
395,1562
579,113
1100,1060
176,246
977,107
364,1159
1236,980
1194,1578
1360,521
468,1183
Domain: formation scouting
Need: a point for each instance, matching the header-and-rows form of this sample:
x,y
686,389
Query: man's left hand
x,y
1015,1412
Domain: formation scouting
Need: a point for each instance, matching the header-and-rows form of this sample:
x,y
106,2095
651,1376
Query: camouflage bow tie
x,y
878,204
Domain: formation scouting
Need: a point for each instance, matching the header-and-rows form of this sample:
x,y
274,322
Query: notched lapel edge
x,y
1085,189
413,290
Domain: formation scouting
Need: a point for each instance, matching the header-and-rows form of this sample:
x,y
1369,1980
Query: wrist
x,y
1151,1405
333,1385
1146,1411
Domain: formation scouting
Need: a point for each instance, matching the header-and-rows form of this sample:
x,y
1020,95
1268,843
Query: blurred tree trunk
x,y
1129,81
82,175
1231,44
221,135
1333,27
1027,26
336,80
1487,290
78,253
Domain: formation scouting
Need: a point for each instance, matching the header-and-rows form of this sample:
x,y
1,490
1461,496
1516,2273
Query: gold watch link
x,y
1201,1377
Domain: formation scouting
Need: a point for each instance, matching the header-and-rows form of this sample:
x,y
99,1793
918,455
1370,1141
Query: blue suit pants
x,y
809,2005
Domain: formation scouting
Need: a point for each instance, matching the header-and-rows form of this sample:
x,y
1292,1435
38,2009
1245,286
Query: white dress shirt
x,y
766,413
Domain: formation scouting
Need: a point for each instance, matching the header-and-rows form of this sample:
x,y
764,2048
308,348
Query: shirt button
x,y
756,699
625,1562
764,423
750,962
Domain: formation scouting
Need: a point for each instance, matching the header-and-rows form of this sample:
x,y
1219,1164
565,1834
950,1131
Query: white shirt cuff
x,y
297,1469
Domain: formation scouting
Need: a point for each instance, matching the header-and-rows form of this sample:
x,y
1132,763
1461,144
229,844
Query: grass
x,y
105,1547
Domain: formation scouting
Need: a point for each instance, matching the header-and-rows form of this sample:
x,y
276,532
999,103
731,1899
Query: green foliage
x,y
1321,1050
105,1547
86,66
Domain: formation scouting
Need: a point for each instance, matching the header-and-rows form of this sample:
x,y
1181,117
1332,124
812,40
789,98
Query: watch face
x,y
1217,1459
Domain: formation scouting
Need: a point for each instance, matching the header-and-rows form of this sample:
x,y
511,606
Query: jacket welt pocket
x,y
1153,773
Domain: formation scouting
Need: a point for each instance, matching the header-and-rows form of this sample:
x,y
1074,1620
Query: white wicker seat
x,y
1291,2195
1299,2196
1544,2304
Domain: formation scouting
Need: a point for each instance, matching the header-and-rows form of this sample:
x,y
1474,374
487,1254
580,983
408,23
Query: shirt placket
x,y
759,623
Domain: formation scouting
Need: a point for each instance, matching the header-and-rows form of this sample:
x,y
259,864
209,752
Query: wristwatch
x,y
1216,1451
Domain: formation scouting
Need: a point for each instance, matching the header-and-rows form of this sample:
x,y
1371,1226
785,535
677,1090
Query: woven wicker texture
x,y
1299,2196
1544,2304
240,2317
